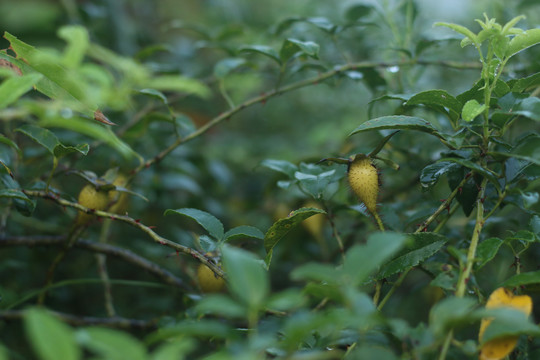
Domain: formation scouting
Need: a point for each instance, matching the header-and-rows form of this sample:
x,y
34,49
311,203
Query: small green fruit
x,y
208,281
91,198
364,181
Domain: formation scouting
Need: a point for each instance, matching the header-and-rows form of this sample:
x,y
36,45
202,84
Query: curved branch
x,y
114,322
293,86
133,222
105,249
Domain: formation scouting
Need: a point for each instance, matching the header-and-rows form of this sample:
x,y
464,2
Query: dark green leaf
x,y
291,47
397,123
111,344
436,98
363,260
44,137
155,94
9,142
356,12
487,250
281,227
174,350
221,305
226,66
528,149
431,173
201,328
16,86
522,279
247,278
243,231
474,167
262,49
30,204
450,313
50,338
282,166
208,221
523,84
315,185
62,150
316,271
286,300
412,258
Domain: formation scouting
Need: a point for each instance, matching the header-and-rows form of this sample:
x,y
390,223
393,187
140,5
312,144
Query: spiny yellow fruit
x,y
208,281
499,348
91,198
119,199
364,181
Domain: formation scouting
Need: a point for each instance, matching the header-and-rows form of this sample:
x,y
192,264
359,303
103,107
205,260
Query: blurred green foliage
x,y
222,111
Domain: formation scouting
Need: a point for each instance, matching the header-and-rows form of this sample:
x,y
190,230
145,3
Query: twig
x,y
110,250
115,322
294,86
133,222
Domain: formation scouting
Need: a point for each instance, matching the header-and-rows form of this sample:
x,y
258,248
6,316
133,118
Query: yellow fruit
x,y
499,348
119,199
364,181
92,199
208,281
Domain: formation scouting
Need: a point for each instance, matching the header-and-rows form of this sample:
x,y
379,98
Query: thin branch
x,y
133,222
338,70
115,322
106,249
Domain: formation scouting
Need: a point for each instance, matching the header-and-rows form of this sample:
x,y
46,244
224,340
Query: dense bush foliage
x,y
176,189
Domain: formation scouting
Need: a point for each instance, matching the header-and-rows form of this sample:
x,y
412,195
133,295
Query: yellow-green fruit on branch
x,y
119,199
364,181
93,199
208,281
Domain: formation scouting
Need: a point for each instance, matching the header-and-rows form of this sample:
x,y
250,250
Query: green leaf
x,y
472,109
356,12
316,271
262,49
315,184
9,142
3,353
529,107
522,41
291,47
524,84
413,257
460,29
176,349
57,82
91,129
179,83
156,94
208,221
63,150
474,167
202,328
221,305
281,227
50,338
78,41
286,300
449,313
282,166
528,149
487,250
397,122
19,195
436,98
226,66
247,278
111,344
44,137
431,173
363,260
16,86
243,231
518,280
